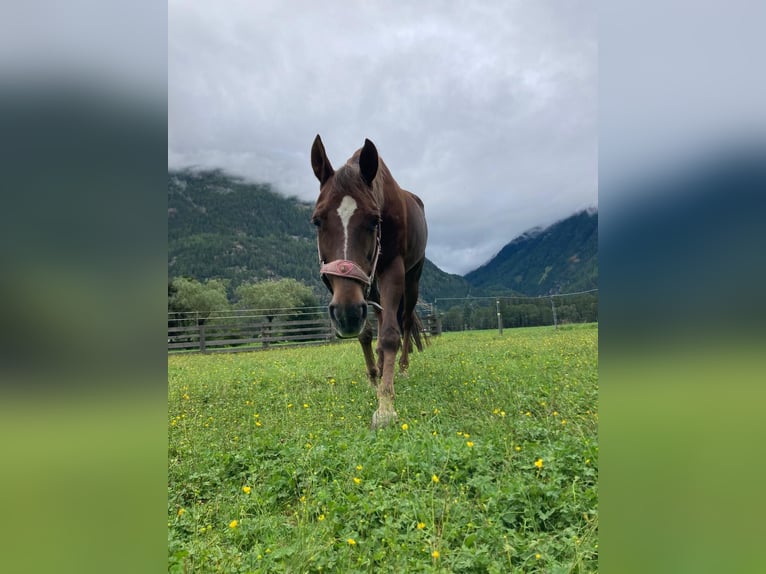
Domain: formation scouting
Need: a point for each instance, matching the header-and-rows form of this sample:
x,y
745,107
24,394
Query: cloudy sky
x,y
487,110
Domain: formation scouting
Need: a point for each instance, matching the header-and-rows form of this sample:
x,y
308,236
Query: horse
x,y
371,239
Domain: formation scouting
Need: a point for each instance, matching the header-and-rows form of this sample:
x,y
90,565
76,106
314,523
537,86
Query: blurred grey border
x,y
682,202
83,149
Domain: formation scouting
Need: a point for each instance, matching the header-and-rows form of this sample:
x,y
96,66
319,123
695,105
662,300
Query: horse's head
x,y
347,218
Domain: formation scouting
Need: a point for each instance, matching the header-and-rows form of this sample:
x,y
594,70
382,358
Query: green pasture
x,y
492,466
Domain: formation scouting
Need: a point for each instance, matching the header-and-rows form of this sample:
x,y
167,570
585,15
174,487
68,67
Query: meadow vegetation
x,y
491,467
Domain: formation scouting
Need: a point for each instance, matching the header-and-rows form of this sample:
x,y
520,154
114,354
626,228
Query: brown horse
x,y
371,236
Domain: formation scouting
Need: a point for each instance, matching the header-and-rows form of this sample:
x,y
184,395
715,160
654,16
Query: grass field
x,y
492,466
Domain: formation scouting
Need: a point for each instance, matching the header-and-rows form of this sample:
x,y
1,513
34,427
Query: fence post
x,y
265,334
202,337
499,319
553,308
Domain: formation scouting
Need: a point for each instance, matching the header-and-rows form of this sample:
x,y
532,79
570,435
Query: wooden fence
x,y
247,330
244,330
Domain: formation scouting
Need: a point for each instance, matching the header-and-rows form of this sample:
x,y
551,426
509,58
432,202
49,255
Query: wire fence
x,y
510,311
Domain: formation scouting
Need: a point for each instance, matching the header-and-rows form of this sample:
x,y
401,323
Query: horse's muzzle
x,y
348,319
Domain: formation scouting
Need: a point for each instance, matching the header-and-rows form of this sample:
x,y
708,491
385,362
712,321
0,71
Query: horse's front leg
x,y
389,340
387,349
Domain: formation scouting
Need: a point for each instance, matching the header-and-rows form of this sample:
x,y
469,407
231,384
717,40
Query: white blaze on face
x,y
346,209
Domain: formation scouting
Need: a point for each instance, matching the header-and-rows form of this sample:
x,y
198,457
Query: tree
x,y
453,320
273,296
189,295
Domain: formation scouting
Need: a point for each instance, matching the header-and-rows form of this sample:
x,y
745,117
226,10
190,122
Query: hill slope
x,y
559,259
220,226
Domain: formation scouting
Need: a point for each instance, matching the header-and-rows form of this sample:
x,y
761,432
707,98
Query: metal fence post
x,y
553,308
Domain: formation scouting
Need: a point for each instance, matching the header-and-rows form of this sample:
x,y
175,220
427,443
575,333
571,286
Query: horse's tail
x,y
416,331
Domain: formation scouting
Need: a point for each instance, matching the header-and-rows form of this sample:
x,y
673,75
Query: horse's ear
x,y
322,168
368,162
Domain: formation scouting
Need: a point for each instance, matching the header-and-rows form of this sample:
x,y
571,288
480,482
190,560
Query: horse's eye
x,y
316,222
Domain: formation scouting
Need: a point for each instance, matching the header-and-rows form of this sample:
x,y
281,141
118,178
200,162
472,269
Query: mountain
x,y
562,258
220,226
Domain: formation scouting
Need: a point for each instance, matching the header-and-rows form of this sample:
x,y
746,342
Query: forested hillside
x,y
222,227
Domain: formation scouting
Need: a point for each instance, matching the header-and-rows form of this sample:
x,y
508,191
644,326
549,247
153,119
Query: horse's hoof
x,y
381,419
404,372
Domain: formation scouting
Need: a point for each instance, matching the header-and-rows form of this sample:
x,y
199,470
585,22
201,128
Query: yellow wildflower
x,y
421,525
539,463
517,448
538,556
351,542
405,426
233,523
435,478
181,511
357,480
435,554
321,517
246,489
469,443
